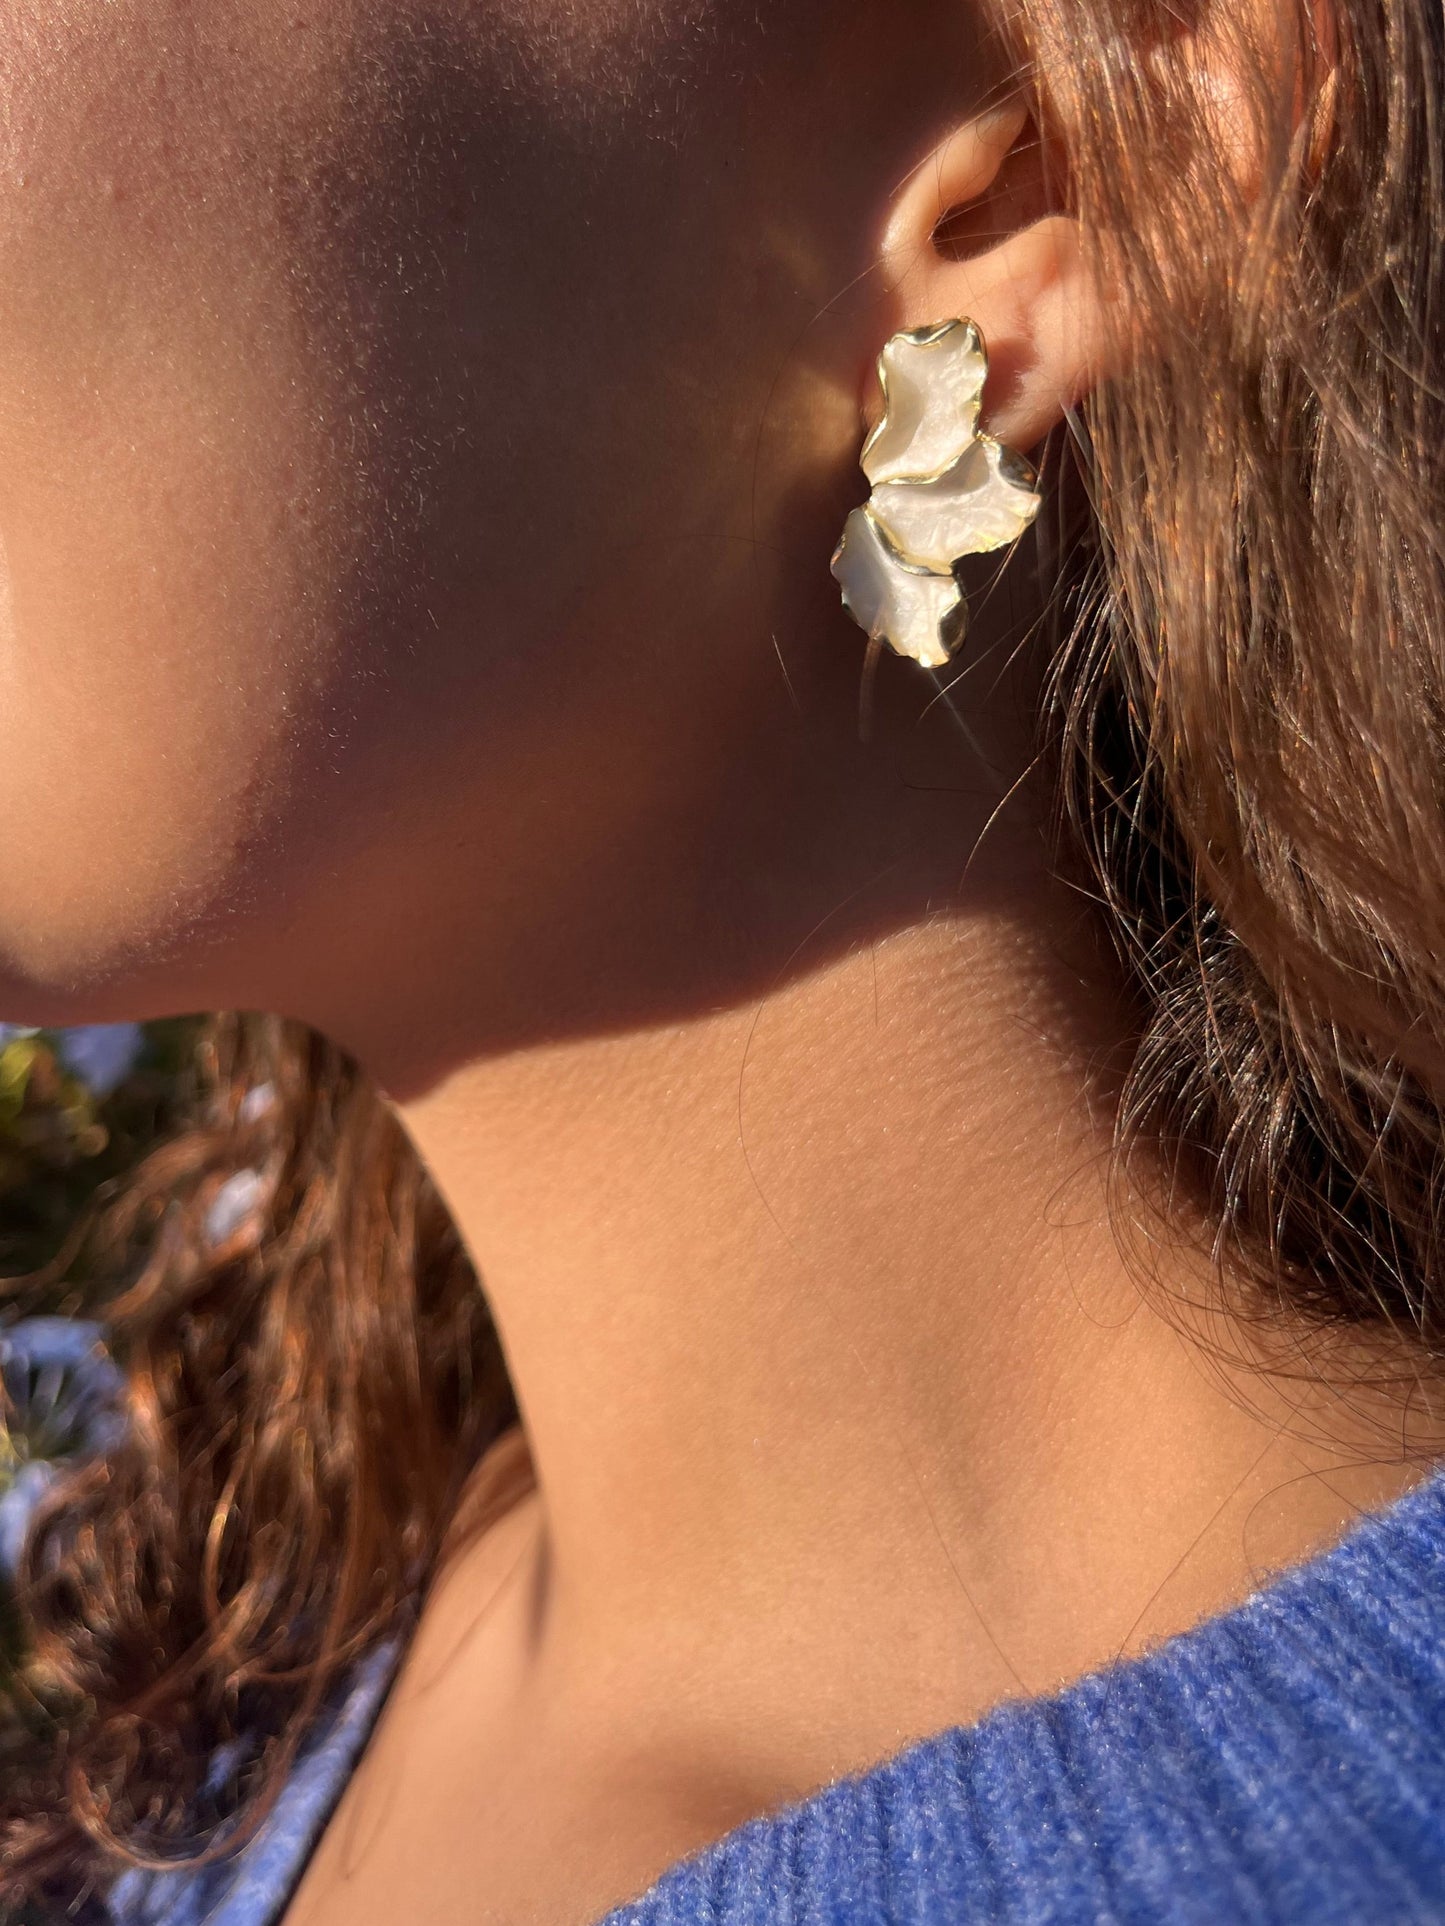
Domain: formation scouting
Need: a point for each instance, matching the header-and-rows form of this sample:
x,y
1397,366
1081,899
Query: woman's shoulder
x,y
62,1393
63,1404
1278,1762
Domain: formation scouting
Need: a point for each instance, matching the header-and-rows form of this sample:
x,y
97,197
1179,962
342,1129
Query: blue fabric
x,y
1280,1764
251,1889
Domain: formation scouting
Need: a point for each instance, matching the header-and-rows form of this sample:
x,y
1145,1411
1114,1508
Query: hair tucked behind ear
x,y
311,1373
1249,713
1248,716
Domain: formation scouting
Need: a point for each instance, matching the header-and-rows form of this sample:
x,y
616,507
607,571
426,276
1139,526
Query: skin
x,y
426,431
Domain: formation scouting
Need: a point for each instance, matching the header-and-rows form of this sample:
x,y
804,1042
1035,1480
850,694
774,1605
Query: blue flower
x,y
62,1397
102,1055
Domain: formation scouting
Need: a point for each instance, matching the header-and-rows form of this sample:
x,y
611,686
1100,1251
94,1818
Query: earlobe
x,y
1029,293
1048,339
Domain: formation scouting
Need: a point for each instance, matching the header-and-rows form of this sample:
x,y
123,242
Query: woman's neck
x,y
847,1414
782,1148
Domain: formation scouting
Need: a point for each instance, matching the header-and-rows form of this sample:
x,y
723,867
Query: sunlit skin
x,y
425,432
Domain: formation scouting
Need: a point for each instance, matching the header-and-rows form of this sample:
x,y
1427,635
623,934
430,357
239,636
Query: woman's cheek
x,y
177,471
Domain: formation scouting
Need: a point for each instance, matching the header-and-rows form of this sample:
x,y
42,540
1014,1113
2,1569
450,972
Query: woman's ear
x,y
1022,272
1021,279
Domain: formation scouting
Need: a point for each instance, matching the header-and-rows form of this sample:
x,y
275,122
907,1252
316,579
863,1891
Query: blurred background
x,y
78,1109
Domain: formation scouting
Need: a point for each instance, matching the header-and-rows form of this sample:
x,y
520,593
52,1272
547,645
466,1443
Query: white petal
x,y
932,381
983,502
917,613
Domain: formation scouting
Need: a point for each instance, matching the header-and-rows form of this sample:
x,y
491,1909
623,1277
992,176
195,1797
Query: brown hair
x,y
264,1524
1245,711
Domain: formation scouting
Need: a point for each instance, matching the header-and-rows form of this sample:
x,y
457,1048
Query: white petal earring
x,y
941,490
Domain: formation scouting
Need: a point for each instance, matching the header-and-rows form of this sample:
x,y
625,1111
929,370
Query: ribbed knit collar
x,y
1283,1762
1280,1764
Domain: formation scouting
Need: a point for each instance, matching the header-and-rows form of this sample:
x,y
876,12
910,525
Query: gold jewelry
x,y
941,490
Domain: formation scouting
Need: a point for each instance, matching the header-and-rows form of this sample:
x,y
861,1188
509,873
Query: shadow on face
x,y
425,435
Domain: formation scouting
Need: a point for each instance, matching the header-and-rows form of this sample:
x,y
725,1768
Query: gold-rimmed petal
x,y
918,612
932,380
941,490
984,501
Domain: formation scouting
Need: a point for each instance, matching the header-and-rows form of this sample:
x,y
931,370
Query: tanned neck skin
x,y
847,1416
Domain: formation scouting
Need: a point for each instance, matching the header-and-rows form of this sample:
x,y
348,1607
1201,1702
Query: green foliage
x,y
63,1138
59,1140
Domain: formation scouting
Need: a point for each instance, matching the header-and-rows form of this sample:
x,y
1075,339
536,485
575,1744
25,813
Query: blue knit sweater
x,y
1284,1762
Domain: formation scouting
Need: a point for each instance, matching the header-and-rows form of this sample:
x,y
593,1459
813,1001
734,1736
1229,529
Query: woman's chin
x,y
88,954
